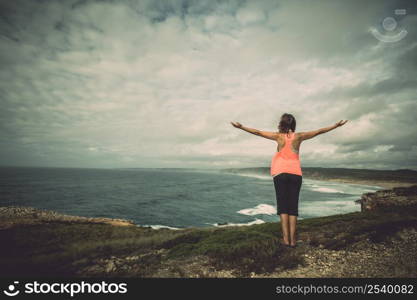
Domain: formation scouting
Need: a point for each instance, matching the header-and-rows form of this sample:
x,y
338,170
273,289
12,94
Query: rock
x,y
130,258
398,196
110,267
30,215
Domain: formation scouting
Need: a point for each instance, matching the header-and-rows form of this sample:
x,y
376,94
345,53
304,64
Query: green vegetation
x,y
61,248
248,249
340,231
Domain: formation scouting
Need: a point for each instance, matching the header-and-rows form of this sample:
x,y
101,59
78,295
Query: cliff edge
x,y
380,241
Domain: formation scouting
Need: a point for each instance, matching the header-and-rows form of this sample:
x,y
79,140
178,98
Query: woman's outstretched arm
x,y
265,134
310,134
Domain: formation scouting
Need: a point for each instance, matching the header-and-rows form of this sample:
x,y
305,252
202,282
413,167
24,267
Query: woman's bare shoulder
x,y
281,135
299,135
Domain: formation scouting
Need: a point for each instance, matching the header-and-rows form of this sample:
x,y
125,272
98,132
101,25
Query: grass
x,y
60,249
339,231
53,248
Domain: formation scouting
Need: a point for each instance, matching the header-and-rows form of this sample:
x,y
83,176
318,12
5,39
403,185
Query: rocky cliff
x,y
12,215
379,242
398,196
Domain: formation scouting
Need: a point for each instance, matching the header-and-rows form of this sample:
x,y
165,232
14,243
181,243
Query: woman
x,y
286,169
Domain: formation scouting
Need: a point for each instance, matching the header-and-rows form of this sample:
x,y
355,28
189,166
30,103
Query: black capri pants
x,y
287,190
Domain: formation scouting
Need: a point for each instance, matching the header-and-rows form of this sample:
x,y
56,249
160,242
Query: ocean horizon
x,y
169,197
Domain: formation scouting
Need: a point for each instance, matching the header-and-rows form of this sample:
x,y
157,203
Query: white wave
x,y
261,209
338,187
326,208
160,226
258,176
326,190
256,221
335,202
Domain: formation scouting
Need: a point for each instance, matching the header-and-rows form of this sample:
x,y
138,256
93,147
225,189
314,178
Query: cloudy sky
x,y
156,83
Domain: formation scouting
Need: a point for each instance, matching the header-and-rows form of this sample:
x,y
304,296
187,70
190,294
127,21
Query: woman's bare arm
x,y
310,134
266,134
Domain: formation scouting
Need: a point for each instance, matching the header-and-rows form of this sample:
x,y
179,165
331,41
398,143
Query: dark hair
x,y
287,122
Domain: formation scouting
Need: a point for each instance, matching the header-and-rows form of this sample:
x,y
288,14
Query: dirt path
x,y
364,259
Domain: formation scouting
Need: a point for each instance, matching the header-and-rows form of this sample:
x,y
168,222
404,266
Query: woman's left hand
x,y
236,124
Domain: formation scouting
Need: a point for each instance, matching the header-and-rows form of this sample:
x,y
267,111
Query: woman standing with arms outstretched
x,y
286,169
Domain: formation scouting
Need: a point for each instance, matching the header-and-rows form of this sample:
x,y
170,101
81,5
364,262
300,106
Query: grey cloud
x,y
365,89
156,83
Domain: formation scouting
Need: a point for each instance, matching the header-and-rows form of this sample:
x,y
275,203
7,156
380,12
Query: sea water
x,y
173,198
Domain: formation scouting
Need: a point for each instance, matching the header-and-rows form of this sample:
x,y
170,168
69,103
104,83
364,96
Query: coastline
x,y
386,179
24,215
380,183
376,242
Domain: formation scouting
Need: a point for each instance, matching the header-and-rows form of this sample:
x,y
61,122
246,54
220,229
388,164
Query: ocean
x,y
171,198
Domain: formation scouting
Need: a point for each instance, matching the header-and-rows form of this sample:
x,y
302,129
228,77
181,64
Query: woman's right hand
x,y
236,124
341,123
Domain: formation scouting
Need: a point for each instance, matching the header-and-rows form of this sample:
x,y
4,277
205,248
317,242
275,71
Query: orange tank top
x,y
286,160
